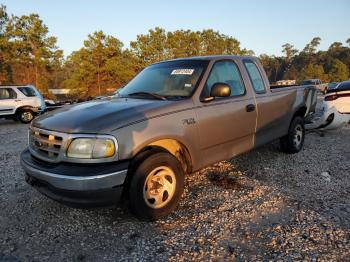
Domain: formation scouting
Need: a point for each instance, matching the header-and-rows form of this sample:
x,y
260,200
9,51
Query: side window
x,y
7,93
255,77
27,91
226,72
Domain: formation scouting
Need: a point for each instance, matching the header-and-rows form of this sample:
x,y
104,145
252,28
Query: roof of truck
x,y
211,57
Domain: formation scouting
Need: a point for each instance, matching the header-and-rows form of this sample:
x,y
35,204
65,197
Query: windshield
x,y
167,79
332,85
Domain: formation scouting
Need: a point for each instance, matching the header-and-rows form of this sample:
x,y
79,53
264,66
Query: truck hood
x,y
100,116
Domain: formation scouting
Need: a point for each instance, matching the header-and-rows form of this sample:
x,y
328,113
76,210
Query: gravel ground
x,y
264,205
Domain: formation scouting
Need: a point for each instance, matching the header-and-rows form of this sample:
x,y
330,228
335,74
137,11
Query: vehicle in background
x,y
174,118
21,103
316,83
331,86
52,105
286,82
339,97
335,108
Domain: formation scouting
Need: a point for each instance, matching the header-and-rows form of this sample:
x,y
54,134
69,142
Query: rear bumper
x,y
88,185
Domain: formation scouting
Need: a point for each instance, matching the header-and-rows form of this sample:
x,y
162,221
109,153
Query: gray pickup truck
x,y
173,118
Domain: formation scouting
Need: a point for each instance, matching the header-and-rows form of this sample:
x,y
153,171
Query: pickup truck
x,y
173,118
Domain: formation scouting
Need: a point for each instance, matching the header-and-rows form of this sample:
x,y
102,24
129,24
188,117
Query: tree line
x,y
29,55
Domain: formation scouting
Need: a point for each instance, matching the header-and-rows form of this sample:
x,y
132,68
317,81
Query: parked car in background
x,y
174,118
316,83
335,108
52,105
331,86
339,97
286,82
21,103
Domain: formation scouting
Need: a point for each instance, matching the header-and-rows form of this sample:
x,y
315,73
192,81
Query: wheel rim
x,y
298,135
159,187
27,116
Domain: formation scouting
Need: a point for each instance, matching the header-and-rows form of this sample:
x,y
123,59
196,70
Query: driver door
x,y
226,126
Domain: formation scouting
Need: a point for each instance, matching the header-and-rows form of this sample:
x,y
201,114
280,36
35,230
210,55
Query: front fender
x,y
134,138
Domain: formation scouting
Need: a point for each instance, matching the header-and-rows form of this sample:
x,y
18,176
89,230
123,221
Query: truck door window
x,y
7,93
255,77
226,72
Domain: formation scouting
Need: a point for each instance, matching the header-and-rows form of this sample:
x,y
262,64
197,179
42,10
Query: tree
x,y
272,66
338,71
310,48
312,71
152,47
100,65
183,43
290,72
289,51
160,45
33,53
5,70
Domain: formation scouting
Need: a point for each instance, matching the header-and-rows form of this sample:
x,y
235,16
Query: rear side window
x,y
7,93
226,72
344,86
255,77
27,91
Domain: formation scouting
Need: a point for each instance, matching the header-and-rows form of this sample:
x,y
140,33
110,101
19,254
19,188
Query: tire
x,y
156,186
25,116
293,142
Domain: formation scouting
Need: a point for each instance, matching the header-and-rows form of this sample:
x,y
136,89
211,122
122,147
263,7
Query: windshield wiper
x,y
154,95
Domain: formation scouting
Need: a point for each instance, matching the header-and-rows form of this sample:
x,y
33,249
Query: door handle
x,y
250,108
18,100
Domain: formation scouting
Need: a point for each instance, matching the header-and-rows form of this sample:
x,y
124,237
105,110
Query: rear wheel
x,y
156,186
25,116
293,142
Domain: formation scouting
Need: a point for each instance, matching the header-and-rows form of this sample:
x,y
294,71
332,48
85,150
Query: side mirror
x,y
220,90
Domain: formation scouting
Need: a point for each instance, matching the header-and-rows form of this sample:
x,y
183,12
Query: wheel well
x,y
171,146
300,112
19,109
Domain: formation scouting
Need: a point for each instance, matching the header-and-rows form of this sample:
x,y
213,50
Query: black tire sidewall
x,y
291,148
136,200
22,112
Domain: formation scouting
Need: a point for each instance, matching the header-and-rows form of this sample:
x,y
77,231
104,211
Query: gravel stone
x,y
261,206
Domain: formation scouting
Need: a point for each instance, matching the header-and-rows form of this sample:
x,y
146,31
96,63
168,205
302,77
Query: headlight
x,y
91,148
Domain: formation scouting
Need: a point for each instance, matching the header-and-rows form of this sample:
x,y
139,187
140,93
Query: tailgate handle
x,y
250,108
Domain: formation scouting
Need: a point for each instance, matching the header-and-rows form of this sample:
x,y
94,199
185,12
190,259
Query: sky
x,y
260,25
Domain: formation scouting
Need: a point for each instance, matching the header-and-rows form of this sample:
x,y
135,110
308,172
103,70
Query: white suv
x,y
20,103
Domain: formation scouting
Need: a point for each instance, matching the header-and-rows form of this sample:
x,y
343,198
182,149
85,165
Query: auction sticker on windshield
x,y
182,72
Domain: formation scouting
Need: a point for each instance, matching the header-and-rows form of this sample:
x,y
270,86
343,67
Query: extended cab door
x,y
226,125
7,101
272,108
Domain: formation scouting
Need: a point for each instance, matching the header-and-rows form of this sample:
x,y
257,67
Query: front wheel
x,y
293,142
156,186
25,116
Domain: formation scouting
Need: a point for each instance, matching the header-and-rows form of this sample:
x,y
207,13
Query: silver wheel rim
x,y
27,116
159,187
298,135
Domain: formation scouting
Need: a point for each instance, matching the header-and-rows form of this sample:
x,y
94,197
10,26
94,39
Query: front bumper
x,y
76,184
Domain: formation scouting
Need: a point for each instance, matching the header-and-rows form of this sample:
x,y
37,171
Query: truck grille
x,y
45,144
